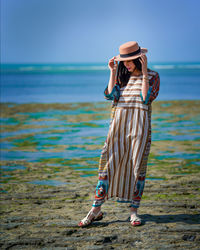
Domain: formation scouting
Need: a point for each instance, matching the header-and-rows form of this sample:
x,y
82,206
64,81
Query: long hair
x,y
123,74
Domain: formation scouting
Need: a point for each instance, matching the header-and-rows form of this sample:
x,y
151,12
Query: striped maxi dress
x,y
123,161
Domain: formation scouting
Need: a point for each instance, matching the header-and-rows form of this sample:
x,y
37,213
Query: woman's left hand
x,y
143,60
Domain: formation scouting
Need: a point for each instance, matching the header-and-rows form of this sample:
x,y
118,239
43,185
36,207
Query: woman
x,y
123,162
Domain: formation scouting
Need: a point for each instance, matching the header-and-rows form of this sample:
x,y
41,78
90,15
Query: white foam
x,y
27,68
83,68
176,66
189,66
164,66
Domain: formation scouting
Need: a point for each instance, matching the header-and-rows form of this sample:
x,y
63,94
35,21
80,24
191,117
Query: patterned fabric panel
x,y
138,191
114,95
154,83
101,191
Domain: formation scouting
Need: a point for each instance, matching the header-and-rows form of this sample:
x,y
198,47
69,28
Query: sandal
x,y
86,221
135,220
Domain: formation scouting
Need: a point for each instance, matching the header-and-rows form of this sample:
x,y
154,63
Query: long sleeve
x,y
154,86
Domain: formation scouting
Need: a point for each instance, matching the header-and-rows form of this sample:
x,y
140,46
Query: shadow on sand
x,y
158,219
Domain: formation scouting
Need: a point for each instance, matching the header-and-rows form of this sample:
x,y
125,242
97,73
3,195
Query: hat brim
x,y
142,52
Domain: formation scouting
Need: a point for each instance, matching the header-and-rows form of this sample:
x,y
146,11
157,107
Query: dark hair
x,y
123,74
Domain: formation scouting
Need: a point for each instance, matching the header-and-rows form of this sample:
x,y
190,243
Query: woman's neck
x,y
136,72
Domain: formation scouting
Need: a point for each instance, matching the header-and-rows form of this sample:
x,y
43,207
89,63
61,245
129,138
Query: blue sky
x,y
61,31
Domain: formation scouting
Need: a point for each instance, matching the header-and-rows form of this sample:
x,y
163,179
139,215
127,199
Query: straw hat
x,y
129,51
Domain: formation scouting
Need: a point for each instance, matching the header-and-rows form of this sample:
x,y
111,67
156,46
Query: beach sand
x,y
45,191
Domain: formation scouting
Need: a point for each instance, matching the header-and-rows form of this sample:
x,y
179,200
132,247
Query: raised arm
x,y
145,81
112,64
112,91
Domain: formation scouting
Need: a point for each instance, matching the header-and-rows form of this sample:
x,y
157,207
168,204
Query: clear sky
x,y
61,31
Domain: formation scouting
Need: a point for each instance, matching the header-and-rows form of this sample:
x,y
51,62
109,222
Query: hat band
x,y
130,54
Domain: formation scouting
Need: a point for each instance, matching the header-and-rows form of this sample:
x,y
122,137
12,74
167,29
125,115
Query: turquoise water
x,y
80,134
48,182
48,83
74,135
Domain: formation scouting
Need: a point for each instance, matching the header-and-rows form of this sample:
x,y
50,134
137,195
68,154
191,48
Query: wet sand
x,y
43,200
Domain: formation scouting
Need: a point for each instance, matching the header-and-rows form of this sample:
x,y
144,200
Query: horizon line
x,y
37,63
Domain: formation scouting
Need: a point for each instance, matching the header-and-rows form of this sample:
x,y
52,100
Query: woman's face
x,y
129,65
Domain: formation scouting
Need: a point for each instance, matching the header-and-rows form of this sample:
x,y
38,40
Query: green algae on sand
x,y
49,163
73,134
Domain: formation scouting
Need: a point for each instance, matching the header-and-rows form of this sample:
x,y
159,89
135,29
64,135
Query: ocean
x,y
66,83
55,117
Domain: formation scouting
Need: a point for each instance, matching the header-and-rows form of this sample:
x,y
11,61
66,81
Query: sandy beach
x,y
49,162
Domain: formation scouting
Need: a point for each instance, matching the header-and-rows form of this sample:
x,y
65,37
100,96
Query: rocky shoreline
x,y
39,217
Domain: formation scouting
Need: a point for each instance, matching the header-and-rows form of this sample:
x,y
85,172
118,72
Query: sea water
x,y
64,83
74,136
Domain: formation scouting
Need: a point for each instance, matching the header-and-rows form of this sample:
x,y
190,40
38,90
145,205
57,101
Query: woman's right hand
x,y
112,64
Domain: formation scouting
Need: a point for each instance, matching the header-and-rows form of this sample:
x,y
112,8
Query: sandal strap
x,y
97,215
135,218
86,220
93,214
